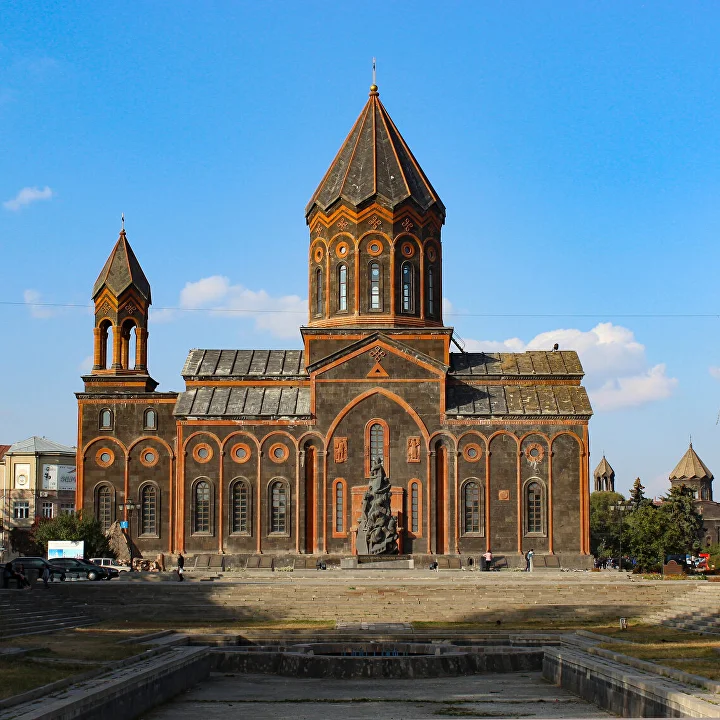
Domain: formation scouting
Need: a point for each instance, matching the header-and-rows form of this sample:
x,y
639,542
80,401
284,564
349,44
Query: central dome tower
x,y
375,222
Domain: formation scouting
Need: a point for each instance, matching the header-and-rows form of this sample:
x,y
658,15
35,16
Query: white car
x,y
110,563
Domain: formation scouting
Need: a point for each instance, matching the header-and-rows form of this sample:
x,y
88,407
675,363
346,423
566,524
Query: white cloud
x,y
33,300
86,365
715,372
26,196
280,316
617,374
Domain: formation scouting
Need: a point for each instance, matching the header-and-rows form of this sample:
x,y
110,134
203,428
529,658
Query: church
x,y
269,452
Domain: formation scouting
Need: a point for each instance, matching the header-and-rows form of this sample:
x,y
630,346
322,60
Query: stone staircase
x,y
697,609
37,611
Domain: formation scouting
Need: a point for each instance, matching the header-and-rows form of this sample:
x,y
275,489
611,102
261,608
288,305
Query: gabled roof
x,y
122,270
3,450
373,161
39,445
604,469
244,402
691,467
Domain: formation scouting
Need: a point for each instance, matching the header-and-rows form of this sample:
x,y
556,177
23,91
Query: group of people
x,y
15,571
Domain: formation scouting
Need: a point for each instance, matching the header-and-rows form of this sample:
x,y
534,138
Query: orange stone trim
x,y
198,457
104,451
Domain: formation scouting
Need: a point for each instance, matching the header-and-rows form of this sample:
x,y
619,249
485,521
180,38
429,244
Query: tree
x,y
684,521
644,536
80,526
604,523
637,494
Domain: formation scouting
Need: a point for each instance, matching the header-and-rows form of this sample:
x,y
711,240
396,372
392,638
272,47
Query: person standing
x,y
487,557
180,567
530,556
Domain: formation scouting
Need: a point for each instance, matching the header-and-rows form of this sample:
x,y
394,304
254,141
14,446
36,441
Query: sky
x,y
576,146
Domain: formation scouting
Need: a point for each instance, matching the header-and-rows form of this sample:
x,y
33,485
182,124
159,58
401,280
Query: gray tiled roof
x,y
37,445
531,363
493,400
244,401
374,160
244,363
691,467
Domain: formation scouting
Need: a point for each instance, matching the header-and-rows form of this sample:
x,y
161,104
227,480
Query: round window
x,y
472,452
149,457
240,453
535,452
375,247
202,452
431,253
342,249
318,254
407,249
105,457
279,452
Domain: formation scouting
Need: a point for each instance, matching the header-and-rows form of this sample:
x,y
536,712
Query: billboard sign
x,y
58,477
66,549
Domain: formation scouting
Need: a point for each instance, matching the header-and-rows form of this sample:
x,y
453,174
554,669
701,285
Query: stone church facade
x,y
269,451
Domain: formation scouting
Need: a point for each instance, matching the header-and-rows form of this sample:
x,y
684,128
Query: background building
x,y
270,451
38,481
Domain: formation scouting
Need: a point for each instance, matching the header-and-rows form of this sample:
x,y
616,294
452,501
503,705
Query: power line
x,y
448,314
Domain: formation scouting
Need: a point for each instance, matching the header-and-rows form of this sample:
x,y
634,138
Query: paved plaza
x,y
508,695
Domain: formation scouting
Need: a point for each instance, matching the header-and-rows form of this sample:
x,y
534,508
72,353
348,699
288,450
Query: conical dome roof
x,y
373,161
121,271
691,467
604,469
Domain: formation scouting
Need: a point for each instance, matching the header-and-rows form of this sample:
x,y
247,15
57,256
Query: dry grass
x,y
19,675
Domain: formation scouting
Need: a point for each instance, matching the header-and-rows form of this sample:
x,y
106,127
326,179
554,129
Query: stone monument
x,y
377,528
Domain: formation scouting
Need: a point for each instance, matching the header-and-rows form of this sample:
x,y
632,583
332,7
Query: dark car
x,y
39,564
75,568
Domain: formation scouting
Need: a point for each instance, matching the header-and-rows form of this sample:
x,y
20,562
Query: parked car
x,y
39,564
75,568
110,563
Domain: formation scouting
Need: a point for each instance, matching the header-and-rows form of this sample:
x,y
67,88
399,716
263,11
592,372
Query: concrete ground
x,y
508,695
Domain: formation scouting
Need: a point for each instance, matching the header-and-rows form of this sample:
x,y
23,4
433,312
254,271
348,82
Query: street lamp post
x,y
129,507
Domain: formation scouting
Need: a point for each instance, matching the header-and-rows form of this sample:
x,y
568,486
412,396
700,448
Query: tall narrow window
x,y
342,288
414,507
201,521
407,287
339,507
278,508
148,517
106,420
375,300
318,292
431,292
104,507
150,422
240,508
377,443
471,509
534,508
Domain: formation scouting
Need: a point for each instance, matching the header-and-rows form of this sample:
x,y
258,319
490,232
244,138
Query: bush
x,y
80,526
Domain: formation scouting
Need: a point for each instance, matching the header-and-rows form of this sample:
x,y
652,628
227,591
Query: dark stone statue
x,y
377,529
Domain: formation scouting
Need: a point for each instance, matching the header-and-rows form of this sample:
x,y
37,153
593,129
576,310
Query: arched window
x,y
240,508
106,419
534,508
415,507
105,507
342,288
318,292
201,519
408,298
377,442
431,291
148,510
278,507
375,294
471,508
339,507
150,420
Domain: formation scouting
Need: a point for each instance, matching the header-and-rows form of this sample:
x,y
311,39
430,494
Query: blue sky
x,y
575,145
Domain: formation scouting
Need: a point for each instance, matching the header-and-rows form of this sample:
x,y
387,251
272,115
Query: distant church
x,y
269,451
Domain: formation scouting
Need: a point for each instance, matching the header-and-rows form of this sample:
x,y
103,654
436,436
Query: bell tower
x,y
375,221
122,300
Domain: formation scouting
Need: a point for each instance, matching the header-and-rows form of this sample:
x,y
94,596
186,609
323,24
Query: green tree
x,y
637,494
644,536
604,523
81,526
684,521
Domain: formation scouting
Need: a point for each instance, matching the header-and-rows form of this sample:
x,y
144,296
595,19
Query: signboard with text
x,y
66,549
58,477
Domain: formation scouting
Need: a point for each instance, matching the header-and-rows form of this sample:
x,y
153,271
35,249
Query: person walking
x,y
180,567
